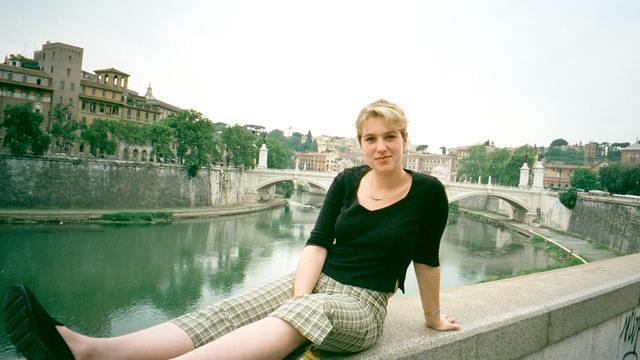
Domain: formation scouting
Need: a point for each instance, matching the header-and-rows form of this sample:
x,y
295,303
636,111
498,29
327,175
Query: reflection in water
x,y
108,280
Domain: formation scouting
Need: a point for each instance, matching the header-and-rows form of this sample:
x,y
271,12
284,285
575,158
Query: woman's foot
x,y
31,330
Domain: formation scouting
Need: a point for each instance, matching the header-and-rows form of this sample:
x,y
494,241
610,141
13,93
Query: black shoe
x,y
31,330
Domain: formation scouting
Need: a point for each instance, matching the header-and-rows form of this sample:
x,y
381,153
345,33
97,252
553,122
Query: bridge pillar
x,y
538,176
524,176
262,159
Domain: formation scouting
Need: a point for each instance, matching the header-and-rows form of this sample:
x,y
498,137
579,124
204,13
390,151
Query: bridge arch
x,y
516,203
276,180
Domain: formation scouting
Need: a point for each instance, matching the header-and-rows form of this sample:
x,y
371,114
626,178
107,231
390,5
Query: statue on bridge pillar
x,y
524,176
262,159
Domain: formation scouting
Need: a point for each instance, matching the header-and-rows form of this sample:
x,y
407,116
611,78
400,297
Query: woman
x,y
375,220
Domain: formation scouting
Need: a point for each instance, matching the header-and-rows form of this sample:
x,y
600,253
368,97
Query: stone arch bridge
x,y
525,201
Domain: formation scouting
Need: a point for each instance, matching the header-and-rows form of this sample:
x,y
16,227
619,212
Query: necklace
x,y
374,197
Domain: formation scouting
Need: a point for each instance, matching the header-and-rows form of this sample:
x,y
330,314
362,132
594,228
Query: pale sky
x,y
514,72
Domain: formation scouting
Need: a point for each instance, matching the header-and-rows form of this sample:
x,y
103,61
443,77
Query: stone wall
x,y
75,183
615,223
608,220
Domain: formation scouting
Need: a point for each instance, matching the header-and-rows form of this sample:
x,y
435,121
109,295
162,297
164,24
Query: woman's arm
x,y
309,269
429,286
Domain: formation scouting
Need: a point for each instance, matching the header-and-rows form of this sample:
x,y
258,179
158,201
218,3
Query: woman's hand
x,y
442,322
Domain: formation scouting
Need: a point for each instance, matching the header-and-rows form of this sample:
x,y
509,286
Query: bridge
x,y
525,200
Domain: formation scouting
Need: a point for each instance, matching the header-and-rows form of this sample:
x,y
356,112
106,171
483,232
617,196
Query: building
x,y
323,162
440,166
558,175
630,156
55,76
19,84
591,152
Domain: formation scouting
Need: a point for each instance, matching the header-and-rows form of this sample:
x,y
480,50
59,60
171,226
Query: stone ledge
x,y
511,318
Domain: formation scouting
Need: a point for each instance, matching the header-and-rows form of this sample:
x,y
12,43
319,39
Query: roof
x,y
635,146
22,70
111,70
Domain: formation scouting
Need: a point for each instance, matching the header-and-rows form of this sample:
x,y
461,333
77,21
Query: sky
x,y
512,72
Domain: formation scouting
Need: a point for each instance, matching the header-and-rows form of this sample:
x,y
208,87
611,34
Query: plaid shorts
x,y
335,317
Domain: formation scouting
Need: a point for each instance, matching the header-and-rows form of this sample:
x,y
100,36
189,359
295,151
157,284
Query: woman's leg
x,y
162,341
269,338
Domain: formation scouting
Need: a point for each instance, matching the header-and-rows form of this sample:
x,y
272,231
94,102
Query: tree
x,y
162,136
240,145
279,156
310,145
422,147
296,141
568,156
23,131
511,172
196,146
474,164
497,163
559,142
64,129
98,136
584,179
568,198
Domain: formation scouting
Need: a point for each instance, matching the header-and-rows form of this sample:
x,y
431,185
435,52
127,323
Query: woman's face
x,y
382,145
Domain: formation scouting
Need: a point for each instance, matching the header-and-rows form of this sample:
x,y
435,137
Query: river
x,y
107,280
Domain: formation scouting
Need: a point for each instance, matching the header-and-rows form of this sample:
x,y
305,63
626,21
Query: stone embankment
x,y
97,215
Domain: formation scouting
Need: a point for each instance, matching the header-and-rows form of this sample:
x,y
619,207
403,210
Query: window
x,y
84,105
52,69
70,101
72,86
128,113
38,81
68,72
102,92
146,115
54,55
93,91
113,95
92,107
137,114
9,76
24,78
61,84
115,110
69,57
101,108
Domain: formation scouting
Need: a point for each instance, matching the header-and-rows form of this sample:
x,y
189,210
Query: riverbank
x,y
581,249
129,216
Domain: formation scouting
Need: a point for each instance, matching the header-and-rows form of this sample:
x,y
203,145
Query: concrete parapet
x,y
519,317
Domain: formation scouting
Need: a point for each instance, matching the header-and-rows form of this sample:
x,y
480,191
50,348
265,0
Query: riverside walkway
x,y
585,250
92,215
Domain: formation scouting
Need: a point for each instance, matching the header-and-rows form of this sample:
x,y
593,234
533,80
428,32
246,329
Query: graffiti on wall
x,y
629,332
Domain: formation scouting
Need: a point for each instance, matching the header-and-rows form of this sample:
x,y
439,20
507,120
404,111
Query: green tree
x,y
559,142
584,179
511,173
474,164
23,132
422,147
240,145
279,156
162,136
64,130
568,198
496,165
568,156
296,141
98,136
194,135
310,145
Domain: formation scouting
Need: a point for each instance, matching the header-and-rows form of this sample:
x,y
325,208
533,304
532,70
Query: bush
x,y
156,216
568,198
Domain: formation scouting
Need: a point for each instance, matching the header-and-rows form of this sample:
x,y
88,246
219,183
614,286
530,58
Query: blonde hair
x,y
390,112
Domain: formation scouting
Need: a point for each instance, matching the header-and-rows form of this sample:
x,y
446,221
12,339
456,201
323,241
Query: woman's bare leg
x,y
162,341
269,338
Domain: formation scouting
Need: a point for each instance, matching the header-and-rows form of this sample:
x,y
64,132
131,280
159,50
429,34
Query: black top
x,y
372,249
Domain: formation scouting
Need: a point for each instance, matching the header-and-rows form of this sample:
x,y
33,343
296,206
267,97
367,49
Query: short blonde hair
x,y
390,112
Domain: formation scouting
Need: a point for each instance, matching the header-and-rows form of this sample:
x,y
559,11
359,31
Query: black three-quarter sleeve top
x,y
372,249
